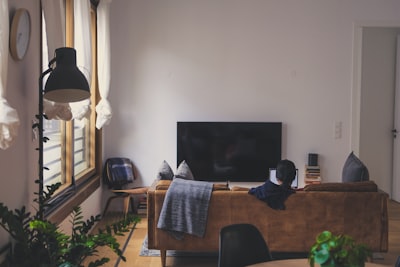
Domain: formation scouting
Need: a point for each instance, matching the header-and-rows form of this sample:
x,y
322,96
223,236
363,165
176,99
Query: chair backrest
x,y
118,172
241,245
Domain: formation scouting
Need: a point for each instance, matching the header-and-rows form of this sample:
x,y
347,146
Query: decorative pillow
x,y
165,172
184,171
364,186
354,170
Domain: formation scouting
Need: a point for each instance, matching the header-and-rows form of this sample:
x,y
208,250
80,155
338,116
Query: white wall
x,y
232,60
18,164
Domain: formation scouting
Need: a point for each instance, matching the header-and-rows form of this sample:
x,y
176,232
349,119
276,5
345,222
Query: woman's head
x,y
286,172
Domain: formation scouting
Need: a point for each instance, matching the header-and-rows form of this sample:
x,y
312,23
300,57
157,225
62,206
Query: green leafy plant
x,y
338,251
39,242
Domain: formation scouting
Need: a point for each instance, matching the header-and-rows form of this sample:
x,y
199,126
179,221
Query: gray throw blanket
x,y
185,208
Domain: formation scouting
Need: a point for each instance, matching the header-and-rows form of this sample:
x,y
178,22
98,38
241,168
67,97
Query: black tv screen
x,y
229,151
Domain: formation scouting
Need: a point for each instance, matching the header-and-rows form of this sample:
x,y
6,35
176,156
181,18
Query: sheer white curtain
x,y
83,46
103,108
54,16
9,121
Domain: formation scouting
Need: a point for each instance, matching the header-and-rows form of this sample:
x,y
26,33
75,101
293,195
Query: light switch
x,y
338,130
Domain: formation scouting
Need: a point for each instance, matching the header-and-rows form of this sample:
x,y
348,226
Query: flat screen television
x,y
229,151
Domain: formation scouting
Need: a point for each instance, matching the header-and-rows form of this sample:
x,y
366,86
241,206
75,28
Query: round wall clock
x,y
20,33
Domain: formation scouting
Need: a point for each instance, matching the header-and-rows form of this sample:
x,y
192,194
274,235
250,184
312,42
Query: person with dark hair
x,y
285,172
276,194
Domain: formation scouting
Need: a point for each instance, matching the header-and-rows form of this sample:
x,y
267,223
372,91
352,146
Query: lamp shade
x,y
66,83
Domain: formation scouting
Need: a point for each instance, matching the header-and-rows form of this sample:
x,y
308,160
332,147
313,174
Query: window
x,y
70,155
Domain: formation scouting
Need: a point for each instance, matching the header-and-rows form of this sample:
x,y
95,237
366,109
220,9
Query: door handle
x,y
394,131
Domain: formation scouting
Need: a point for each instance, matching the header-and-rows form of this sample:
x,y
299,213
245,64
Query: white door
x,y
396,134
377,103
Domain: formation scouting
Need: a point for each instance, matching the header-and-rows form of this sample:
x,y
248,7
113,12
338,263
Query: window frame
x,y
79,190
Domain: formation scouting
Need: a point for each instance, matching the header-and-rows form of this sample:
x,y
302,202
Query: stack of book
x,y
312,175
142,206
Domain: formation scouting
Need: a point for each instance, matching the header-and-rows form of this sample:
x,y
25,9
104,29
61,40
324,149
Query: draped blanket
x,y
185,208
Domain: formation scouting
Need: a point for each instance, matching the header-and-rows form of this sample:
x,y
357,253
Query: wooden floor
x,y
139,233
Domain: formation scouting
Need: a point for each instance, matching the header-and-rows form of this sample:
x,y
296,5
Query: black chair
x,y
397,262
241,245
117,174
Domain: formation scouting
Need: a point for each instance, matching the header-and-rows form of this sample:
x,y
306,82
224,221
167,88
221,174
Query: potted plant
x,y
338,251
40,243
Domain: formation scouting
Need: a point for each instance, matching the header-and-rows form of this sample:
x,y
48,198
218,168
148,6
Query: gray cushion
x,y
184,171
165,172
354,170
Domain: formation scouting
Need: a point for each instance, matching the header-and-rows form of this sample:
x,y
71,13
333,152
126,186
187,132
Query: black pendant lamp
x,y
66,83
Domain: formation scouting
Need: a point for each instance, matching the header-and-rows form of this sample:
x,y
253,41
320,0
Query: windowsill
x,y
62,212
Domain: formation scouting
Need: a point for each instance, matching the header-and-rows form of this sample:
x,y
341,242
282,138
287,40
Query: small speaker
x,y
312,159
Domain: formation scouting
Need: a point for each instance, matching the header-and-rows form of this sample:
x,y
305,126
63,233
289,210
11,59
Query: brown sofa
x,y
356,209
